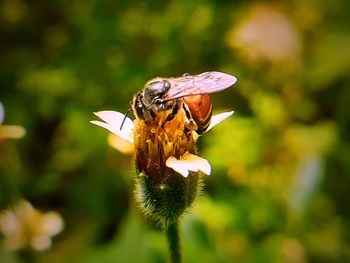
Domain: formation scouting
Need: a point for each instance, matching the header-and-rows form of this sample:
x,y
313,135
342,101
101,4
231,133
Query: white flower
x,y
2,113
187,162
26,227
9,131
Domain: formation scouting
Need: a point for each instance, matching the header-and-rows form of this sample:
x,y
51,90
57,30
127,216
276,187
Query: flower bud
x,y
165,201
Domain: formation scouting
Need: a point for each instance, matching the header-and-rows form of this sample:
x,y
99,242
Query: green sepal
x,y
167,200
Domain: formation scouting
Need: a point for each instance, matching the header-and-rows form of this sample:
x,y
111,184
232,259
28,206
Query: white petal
x,y
216,119
52,224
188,162
113,121
177,165
198,162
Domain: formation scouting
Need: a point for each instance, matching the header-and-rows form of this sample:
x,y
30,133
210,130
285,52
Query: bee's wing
x,y
205,83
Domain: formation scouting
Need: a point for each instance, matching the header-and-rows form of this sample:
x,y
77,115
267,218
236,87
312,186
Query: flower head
x,y
182,163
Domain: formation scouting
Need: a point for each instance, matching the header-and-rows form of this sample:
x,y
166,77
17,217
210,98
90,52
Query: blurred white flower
x,y
26,227
266,34
2,113
9,131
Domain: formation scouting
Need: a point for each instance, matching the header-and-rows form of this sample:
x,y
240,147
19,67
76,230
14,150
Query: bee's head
x,y
149,101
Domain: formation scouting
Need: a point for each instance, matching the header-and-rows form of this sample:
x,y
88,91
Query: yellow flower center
x,y
154,144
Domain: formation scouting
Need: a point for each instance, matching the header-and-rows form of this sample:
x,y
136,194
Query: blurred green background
x,y
280,186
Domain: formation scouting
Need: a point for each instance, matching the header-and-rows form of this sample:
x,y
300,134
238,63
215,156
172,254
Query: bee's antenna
x,y
125,116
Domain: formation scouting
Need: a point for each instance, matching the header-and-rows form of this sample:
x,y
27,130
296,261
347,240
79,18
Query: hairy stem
x,y
172,234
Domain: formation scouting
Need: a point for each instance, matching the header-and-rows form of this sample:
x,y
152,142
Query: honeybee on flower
x,y
170,113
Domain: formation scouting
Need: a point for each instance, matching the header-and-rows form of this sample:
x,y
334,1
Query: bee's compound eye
x,y
166,85
156,89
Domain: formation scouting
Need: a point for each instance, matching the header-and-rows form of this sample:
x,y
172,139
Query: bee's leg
x,y
152,113
190,123
148,115
171,116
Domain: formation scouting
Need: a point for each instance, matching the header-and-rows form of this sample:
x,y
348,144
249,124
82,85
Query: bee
x,y
189,92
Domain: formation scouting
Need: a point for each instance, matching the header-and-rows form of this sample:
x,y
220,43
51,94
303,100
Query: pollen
x,y
158,139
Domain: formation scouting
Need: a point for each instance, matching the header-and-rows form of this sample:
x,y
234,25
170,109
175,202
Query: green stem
x,y
172,234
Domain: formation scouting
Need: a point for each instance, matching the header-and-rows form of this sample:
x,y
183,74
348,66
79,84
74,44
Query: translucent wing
x,y
205,83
